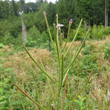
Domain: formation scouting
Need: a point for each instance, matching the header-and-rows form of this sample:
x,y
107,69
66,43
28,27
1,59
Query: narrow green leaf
x,y
62,69
49,31
75,55
29,97
57,43
74,38
67,37
48,81
38,64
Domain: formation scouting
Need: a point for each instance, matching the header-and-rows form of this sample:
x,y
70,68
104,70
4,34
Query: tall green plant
x,y
62,72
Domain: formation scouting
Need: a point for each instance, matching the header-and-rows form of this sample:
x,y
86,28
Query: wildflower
x,y
59,28
59,25
71,20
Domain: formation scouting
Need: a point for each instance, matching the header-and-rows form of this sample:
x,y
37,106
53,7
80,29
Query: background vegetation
x,y
93,14
17,67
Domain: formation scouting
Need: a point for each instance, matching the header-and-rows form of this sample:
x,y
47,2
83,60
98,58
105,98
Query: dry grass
x,y
75,44
26,71
21,61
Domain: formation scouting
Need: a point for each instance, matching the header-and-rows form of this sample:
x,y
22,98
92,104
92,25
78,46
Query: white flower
x,y
59,25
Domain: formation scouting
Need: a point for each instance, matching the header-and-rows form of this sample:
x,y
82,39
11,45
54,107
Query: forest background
x,y
94,14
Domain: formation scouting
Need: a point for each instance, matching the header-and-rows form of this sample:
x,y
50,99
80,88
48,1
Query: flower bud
x,y
71,20
44,13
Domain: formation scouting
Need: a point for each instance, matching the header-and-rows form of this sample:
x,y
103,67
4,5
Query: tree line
x,y
93,12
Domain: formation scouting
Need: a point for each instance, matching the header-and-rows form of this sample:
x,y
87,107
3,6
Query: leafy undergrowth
x,y
17,67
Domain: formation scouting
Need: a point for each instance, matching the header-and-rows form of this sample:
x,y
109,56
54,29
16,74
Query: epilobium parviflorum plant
x,y
58,102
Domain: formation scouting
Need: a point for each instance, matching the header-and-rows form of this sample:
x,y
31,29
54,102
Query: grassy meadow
x,y
17,67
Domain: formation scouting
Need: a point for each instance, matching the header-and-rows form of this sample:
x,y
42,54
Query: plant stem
x,y
69,95
55,32
34,103
59,65
49,32
38,64
21,100
67,37
74,38
65,72
57,43
64,92
38,94
29,97
62,69
48,81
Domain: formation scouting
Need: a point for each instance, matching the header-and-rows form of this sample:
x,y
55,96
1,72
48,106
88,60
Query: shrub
x,y
99,32
81,33
7,39
15,27
4,28
35,38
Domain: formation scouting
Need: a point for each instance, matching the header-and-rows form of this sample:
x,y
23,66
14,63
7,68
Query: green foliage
x,y
8,39
15,27
5,85
35,19
89,49
107,52
1,45
84,65
35,38
81,33
15,7
99,32
80,103
89,61
4,98
4,28
66,11
51,11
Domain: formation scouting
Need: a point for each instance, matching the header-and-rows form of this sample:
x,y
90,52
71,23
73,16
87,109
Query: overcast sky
x,y
35,1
